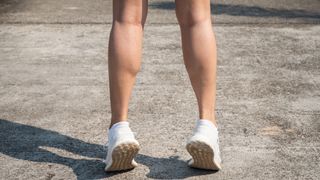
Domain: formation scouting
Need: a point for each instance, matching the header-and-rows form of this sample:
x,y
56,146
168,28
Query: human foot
x,y
203,146
122,147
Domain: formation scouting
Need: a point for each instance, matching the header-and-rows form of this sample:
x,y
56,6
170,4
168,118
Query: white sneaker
x,y
203,146
122,147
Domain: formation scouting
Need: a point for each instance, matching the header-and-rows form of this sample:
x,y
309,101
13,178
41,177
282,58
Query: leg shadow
x,y
169,168
25,142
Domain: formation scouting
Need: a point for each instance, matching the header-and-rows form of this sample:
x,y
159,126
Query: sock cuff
x,y
120,124
206,122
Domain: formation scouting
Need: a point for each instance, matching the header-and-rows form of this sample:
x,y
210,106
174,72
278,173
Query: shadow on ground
x,y
8,5
25,142
242,10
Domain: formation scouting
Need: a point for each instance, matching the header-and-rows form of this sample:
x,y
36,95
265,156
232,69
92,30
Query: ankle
x,y
113,122
210,118
208,122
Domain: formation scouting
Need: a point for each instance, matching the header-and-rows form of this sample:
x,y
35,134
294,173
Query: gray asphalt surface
x,y
54,97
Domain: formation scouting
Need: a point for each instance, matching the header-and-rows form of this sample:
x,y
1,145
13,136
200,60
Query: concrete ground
x,y
54,97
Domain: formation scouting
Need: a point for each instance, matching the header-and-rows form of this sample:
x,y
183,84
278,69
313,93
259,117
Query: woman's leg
x,y
199,52
124,53
200,57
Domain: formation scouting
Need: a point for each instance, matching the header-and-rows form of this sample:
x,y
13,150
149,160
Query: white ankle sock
x,y
119,124
206,122
119,133
120,130
206,128
205,134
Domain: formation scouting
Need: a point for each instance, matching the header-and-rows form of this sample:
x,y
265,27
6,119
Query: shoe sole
x,y
122,157
202,155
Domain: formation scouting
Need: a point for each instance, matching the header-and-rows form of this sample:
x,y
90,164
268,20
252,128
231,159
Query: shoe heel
x,y
202,155
122,157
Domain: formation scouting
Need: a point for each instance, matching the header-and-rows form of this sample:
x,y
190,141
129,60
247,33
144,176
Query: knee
x,y
189,17
130,19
